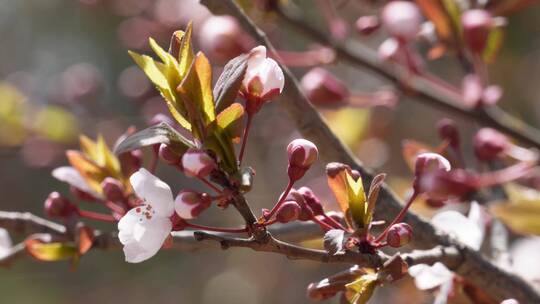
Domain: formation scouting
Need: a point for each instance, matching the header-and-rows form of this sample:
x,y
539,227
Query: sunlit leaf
x,y
361,290
357,201
230,121
493,45
349,124
56,124
373,194
229,82
50,252
90,171
158,134
154,72
84,239
105,157
435,11
521,212
186,54
336,174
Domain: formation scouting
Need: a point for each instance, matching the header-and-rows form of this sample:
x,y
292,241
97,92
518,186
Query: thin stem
x,y
281,200
399,217
216,229
244,139
155,157
334,222
210,185
96,216
324,225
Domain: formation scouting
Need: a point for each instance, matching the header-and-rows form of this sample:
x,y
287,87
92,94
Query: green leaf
x,y
374,189
50,252
157,134
196,93
357,201
186,54
155,72
230,121
229,82
361,290
493,45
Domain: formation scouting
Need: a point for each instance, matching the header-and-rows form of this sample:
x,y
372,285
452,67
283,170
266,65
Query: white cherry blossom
x,y
144,229
468,230
5,243
72,177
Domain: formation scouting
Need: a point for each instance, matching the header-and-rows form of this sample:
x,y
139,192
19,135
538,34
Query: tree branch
x,y
492,279
364,57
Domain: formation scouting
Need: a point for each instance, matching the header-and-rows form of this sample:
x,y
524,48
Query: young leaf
x,y
361,290
373,194
333,241
84,238
50,252
196,93
436,13
158,134
229,82
494,43
229,121
90,171
337,181
105,157
185,54
357,201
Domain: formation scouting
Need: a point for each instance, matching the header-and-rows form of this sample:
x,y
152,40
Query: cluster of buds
x,y
302,154
263,80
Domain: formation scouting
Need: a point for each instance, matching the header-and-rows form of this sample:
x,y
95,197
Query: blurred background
x,y
65,71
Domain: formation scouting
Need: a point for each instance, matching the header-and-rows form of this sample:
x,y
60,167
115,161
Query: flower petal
x,y
428,277
142,232
5,243
154,191
71,176
460,227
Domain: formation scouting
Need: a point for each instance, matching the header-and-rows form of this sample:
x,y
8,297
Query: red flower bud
x,y
402,19
448,131
113,189
366,25
489,144
288,212
399,234
189,204
302,154
324,89
441,185
169,155
58,206
477,24
197,163
311,200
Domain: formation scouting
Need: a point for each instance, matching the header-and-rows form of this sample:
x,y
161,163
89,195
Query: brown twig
x,y
492,279
424,89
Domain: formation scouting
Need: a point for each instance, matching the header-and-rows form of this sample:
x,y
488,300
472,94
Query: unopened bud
x,y
389,50
366,25
263,80
302,154
399,235
324,89
189,204
319,291
477,24
489,144
448,131
58,206
197,163
402,19
288,212
222,38
440,185
311,200
113,189
169,155
429,162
